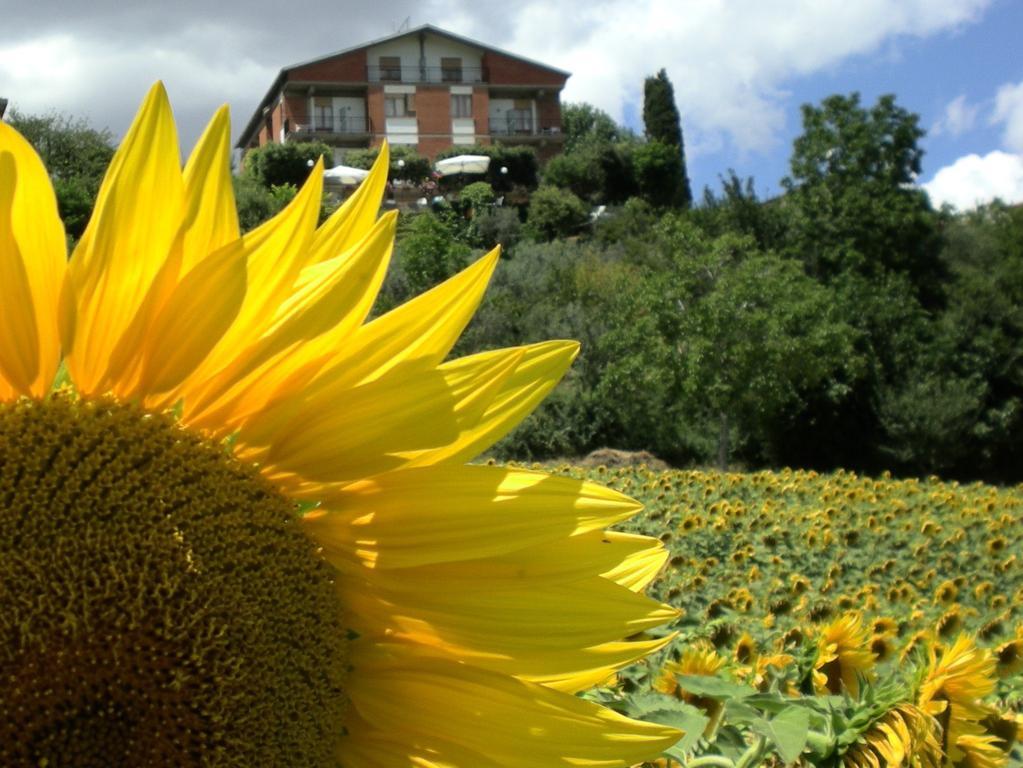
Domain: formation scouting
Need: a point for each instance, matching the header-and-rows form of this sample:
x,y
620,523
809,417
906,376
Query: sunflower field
x,y
830,619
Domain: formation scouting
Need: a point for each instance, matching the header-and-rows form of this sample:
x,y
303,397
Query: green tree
x,y
663,124
861,227
752,334
274,165
657,173
76,155
852,198
584,124
738,209
960,411
579,172
596,172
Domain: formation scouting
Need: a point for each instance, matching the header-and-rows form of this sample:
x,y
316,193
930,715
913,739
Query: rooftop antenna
x,y
405,26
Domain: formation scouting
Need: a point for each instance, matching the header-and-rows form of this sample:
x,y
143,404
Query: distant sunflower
x,y
843,655
884,625
882,647
1009,657
745,649
918,644
946,593
950,622
163,601
698,659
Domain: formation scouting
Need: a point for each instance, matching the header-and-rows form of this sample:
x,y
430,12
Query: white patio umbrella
x,y
345,174
462,164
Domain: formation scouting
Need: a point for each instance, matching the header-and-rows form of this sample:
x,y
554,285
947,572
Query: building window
x,y
323,114
400,105
390,68
461,105
451,70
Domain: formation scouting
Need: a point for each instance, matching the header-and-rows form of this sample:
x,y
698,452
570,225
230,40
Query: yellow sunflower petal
x,y
370,748
133,228
522,624
433,702
197,313
615,556
642,565
449,514
315,324
350,223
211,219
540,369
423,329
382,424
32,264
276,253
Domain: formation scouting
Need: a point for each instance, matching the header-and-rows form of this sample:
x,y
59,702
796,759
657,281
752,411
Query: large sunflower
x,y
162,599
951,691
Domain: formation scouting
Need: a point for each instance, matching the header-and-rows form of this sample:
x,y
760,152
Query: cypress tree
x,y
663,124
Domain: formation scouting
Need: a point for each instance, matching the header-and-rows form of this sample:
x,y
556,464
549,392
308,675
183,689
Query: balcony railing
x,y
338,124
387,74
513,126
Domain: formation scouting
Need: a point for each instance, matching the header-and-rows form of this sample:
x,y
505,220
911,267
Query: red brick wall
x,y
375,109
276,118
433,110
504,70
548,111
296,109
481,112
349,68
430,146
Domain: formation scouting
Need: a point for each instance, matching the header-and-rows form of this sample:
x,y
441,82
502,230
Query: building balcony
x,y
521,127
332,127
386,74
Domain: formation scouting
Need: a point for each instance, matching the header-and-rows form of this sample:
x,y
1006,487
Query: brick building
x,y
425,88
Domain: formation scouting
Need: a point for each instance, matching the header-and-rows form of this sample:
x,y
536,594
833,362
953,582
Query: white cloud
x,y
973,180
958,118
729,60
105,83
1009,111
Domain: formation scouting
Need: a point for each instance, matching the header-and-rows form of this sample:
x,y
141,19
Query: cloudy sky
x,y
741,68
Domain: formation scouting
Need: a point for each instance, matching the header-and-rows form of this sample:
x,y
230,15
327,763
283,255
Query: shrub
x,y
255,202
477,198
498,226
429,252
555,213
274,165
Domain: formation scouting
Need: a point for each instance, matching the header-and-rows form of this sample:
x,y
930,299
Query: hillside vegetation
x,y
844,324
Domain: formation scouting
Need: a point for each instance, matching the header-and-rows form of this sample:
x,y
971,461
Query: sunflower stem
x,y
715,761
754,755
